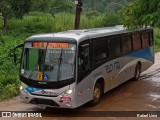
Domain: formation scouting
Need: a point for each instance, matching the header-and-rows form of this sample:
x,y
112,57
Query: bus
x,y
68,69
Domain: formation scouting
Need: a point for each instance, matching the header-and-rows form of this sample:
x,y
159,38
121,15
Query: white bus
x,y
68,69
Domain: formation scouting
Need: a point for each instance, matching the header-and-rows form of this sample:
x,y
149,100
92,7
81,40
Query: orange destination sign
x,y
50,45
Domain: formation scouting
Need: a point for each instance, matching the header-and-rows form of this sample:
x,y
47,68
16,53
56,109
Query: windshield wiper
x,y
30,75
43,61
59,64
45,58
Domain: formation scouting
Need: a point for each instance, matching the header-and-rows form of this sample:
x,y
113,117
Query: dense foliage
x,y
8,71
141,13
16,8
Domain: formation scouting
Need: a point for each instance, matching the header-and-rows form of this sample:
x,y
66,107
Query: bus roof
x,y
83,34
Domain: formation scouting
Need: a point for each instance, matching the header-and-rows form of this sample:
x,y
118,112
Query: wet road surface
x,y
141,95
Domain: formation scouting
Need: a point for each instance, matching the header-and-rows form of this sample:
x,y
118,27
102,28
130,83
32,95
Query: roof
x,y
80,35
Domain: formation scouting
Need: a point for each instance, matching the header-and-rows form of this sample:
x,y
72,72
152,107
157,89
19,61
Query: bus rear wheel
x,y
137,72
97,94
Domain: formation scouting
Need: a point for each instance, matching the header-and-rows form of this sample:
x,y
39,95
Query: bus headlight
x,y
21,88
68,92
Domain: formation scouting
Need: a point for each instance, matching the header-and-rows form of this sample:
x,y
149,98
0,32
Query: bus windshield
x,y
53,62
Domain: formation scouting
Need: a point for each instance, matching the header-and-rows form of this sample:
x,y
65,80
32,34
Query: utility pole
x,y
78,13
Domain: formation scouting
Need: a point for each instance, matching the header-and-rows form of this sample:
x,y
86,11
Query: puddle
x,y
155,97
156,79
152,106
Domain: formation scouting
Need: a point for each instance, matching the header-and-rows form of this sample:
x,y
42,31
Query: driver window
x,y
84,57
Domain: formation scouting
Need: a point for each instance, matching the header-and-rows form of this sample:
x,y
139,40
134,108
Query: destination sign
x,y
50,45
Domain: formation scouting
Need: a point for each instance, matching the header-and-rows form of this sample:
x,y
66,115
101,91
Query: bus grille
x,y
43,101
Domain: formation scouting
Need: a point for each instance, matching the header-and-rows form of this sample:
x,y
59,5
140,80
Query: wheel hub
x,y
96,93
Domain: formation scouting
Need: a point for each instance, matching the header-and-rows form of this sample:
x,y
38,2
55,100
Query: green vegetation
x,y
46,17
8,71
141,13
10,8
157,39
37,22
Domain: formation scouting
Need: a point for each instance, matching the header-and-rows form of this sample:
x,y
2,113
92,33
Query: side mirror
x,y
14,52
15,58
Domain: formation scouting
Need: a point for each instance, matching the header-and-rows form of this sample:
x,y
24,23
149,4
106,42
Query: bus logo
x,y
42,83
112,67
44,92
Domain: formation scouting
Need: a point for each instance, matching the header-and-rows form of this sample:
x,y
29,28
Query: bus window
x,y
151,42
32,59
114,47
136,41
100,50
84,57
126,44
145,39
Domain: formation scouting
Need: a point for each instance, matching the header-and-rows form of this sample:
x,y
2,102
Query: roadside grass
x,y
35,23
157,50
8,91
9,79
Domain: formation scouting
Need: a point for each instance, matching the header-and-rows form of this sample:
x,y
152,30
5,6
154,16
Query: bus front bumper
x,y
55,102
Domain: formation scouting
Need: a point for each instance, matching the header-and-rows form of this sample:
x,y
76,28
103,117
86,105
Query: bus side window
x,y
84,57
114,47
126,44
145,39
100,50
136,41
151,42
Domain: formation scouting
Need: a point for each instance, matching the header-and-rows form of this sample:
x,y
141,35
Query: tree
x,y
141,13
62,6
5,10
10,8
20,7
113,7
42,5
103,5
53,6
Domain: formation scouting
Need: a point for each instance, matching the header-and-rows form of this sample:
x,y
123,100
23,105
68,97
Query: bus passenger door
x,y
84,78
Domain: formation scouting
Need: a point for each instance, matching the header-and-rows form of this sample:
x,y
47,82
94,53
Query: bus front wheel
x,y
97,94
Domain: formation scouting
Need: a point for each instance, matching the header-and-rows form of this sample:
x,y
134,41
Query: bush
x,y
8,91
110,19
9,80
92,14
37,22
157,39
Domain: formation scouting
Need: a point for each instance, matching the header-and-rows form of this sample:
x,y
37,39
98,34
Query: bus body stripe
x,y
145,53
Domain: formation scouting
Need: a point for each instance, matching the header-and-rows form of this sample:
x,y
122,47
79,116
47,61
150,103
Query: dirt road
x,y
142,95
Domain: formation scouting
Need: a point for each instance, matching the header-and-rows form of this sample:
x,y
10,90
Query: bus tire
x,y
97,94
137,72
